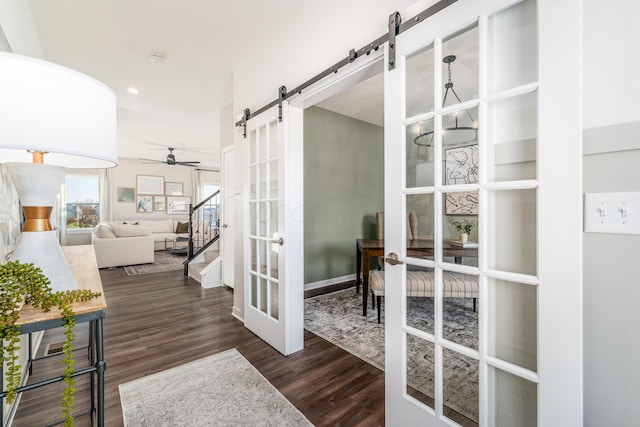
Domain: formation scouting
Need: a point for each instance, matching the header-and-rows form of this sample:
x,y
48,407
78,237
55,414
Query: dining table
x,y
419,248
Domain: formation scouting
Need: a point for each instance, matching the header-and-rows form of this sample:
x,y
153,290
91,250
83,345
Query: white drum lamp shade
x,y
71,119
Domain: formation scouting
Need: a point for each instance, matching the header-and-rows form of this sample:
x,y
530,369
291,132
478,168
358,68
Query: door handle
x,y
224,225
279,241
393,259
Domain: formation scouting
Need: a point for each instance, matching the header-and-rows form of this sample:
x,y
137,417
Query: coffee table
x,y
176,245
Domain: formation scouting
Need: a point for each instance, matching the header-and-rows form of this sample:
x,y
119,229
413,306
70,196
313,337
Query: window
x,y
212,207
210,188
82,199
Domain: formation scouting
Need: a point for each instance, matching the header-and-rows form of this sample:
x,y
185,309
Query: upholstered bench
x,y
421,284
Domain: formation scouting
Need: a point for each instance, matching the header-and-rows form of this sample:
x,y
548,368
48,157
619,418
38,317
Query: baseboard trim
x,y
237,313
329,282
333,285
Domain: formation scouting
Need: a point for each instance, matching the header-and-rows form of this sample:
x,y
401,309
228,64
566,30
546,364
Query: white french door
x,y
273,290
482,123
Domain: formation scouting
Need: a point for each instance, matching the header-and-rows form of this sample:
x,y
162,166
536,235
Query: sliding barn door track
x,y
396,26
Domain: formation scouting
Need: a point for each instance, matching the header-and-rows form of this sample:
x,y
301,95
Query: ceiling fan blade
x,y
186,161
152,160
159,145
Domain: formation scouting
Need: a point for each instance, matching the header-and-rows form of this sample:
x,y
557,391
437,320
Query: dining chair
x,y
412,225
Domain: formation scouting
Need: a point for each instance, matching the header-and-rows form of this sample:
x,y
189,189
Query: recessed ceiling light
x,y
156,58
133,90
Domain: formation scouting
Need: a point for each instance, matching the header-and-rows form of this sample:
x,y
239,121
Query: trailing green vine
x,y
25,283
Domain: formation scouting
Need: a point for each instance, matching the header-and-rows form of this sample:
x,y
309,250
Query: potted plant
x,y
25,284
463,226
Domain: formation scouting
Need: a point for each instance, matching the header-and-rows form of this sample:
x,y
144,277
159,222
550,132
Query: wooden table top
x,y
82,261
411,244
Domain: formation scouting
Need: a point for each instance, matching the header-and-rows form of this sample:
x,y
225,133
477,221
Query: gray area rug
x,y
219,390
162,261
337,317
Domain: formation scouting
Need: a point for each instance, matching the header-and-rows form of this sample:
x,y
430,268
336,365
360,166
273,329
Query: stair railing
x,y
204,227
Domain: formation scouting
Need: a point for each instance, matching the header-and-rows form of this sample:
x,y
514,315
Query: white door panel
x,y
273,289
469,121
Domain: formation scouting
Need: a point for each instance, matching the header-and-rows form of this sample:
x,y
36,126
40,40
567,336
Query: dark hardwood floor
x,y
158,321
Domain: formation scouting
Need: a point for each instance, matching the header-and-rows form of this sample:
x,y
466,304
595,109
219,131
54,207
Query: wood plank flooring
x,y
158,321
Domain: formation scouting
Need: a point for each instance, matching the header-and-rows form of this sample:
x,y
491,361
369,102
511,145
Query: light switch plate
x,y
617,213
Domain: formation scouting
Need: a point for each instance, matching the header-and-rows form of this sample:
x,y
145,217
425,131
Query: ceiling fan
x,y
171,160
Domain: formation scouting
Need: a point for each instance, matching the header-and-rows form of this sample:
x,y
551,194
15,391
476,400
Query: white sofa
x,y
130,246
129,242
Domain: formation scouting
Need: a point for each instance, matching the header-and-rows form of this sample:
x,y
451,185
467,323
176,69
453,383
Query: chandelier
x,y
466,134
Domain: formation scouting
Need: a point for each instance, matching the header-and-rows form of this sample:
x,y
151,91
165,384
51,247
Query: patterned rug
x,y
337,317
162,261
219,390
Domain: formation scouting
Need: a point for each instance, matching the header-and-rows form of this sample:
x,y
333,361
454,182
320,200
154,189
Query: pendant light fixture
x,y
456,132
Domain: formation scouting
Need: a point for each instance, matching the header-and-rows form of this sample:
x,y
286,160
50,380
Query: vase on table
x,y
464,237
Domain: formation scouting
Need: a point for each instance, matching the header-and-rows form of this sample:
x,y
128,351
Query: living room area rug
x,y
337,317
163,261
219,390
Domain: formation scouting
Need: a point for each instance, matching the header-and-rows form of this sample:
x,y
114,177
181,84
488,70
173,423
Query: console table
x,y
82,261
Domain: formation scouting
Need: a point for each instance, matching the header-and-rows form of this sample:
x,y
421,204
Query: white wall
x,y
611,91
611,296
124,175
302,47
611,291
18,26
227,127
611,62
20,32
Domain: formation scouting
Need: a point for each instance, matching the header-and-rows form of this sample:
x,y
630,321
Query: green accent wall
x,y
343,190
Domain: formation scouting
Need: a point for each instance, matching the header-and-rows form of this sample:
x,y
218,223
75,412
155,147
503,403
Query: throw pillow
x,y
182,227
104,231
128,230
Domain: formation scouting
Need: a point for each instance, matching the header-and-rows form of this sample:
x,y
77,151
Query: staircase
x,y
208,271
204,262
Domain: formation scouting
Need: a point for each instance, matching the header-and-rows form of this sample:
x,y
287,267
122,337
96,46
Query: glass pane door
x,y
263,207
264,285
463,311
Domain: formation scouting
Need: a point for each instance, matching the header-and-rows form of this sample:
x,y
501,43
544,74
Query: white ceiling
x,y
179,100
203,41
364,101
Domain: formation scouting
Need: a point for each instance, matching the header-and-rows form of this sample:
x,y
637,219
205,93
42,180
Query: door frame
x,y
552,188
228,181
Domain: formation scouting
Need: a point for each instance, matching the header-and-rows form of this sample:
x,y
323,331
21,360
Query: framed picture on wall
x,y
173,188
144,204
461,203
178,205
461,165
159,203
147,184
126,194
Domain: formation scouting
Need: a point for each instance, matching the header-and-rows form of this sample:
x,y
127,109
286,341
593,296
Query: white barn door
x,y
502,151
273,287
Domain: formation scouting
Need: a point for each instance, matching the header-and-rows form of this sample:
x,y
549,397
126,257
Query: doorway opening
x,y
344,201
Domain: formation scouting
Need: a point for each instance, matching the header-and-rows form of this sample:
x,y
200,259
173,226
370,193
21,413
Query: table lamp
x,y
51,118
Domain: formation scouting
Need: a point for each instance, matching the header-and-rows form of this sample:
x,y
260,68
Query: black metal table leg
x,y
92,362
100,368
